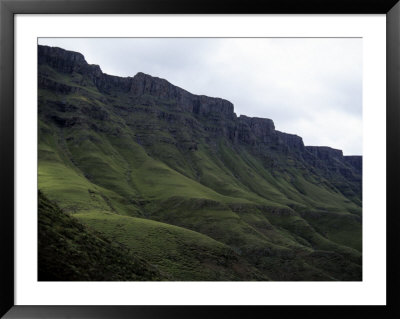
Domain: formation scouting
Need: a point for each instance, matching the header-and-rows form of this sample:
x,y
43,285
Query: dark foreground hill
x,y
189,187
70,251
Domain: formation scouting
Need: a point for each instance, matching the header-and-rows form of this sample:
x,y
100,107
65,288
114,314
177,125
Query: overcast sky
x,y
309,87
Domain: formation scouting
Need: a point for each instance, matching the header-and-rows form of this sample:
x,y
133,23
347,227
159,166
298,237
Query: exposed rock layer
x,y
217,114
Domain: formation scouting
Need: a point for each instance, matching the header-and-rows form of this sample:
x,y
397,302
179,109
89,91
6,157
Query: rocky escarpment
x,y
154,167
334,157
139,85
214,115
62,60
354,161
143,84
325,153
251,130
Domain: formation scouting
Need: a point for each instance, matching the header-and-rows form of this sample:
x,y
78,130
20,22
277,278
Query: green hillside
x,y
70,251
187,186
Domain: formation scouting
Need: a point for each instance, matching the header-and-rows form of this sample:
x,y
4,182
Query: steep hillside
x,y
144,250
142,161
70,251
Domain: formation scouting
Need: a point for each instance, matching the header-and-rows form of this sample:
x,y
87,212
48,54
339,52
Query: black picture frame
x,y
9,8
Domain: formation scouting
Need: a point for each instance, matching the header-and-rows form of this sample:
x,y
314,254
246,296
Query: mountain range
x,y
142,180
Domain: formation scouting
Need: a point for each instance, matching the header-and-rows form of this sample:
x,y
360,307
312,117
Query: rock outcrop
x,y
325,153
216,115
354,161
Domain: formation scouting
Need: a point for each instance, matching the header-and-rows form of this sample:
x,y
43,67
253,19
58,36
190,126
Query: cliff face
x,y
253,131
119,151
214,115
355,162
139,85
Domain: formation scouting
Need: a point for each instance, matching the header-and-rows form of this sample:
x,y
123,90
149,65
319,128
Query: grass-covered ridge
x,y
188,187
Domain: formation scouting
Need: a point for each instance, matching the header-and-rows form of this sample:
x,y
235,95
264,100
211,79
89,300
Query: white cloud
x,y
311,87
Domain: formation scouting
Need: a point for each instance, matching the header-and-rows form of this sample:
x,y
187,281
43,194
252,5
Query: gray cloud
x,y
311,87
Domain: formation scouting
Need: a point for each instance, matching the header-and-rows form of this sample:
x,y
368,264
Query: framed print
x,y
172,159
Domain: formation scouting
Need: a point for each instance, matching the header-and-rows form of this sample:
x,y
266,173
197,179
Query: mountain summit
x,y
157,168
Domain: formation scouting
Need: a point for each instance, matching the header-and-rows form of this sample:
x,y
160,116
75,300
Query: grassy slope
x,y
184,254
106,246
111,162
70,251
